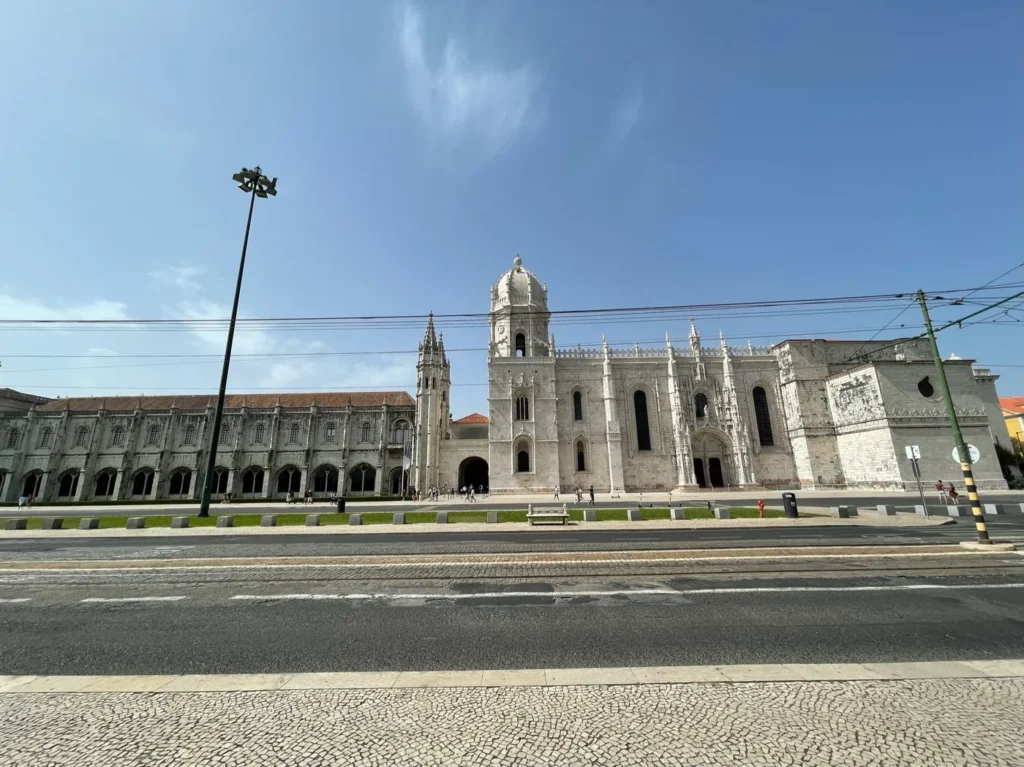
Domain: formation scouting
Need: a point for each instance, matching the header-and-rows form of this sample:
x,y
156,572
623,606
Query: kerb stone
x,y
958,511
226,521
677,514
398,518
721,512
312,520
589,515
442,517
889,511
268,520
492,517
355,519
634,515
53,523
16,524
90,523
179,522
135,523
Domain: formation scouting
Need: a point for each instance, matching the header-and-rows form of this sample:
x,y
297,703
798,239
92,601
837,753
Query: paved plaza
x,y
935,722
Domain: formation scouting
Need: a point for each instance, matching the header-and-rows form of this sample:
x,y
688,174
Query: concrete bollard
x,y
225,521
179,522
398,518
90,523
845,512
958,511
589,515
442,517
921,510
53,523
135,523
355,519
677,513
492,517
16,524
994,508
633,515
268,520
721,512
889,511
312,520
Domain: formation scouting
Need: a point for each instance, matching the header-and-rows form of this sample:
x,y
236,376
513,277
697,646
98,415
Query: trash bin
x,y
789,503
341,504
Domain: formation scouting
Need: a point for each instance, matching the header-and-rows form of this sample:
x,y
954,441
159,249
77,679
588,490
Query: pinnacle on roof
x,y
429,339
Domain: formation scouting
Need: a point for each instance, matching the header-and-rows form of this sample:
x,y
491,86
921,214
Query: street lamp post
x,y
257,185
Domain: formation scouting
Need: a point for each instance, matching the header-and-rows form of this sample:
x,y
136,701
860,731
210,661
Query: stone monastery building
x,y
799,414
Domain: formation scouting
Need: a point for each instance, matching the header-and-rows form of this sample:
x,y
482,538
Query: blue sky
x,y
634,154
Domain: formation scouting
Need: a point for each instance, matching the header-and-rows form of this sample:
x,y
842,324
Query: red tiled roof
x,y
473,418
200,401
1012,404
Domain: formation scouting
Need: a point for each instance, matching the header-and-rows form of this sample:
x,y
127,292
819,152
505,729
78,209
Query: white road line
x,y
133,599
624,592
11,601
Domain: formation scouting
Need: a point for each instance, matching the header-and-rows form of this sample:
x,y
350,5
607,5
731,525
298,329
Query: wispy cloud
x,y
183,277
14,308
626,115
458,98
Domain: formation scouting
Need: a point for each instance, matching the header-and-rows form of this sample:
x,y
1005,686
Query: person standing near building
x,y
557,488
591,495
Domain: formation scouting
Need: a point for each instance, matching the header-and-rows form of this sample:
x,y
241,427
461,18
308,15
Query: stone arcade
x,y
797,414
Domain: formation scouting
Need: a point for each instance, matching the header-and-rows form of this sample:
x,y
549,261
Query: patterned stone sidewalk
x,y
935,722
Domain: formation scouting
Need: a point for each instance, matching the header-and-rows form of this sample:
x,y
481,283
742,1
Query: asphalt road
x,y
771,498
703,621
491,540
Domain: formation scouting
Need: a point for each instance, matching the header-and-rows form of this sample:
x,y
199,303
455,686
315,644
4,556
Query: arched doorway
x,y
473,471
698,472
715,470
711,459
30,485
398,481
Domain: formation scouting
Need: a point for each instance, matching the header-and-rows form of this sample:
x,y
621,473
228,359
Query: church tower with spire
x,y
433,409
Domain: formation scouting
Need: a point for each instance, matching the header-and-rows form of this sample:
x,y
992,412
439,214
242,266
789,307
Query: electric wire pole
x,y
954,424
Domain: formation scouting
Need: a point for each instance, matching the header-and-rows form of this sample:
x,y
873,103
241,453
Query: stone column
x,y
615,478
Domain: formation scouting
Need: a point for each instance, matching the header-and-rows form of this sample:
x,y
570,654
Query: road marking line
x,y
624,592
11,601
132,599
483,595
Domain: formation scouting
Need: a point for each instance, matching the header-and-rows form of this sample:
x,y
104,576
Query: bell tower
x,y
433,408
519,315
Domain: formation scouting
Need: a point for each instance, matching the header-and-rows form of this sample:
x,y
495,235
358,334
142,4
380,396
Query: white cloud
x,y
459,98
14,308
626,115
182,277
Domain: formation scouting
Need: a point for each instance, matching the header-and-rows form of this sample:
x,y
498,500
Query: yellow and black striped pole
x,y
958,437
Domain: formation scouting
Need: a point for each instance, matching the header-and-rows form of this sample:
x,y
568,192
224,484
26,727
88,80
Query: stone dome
x,y
519,287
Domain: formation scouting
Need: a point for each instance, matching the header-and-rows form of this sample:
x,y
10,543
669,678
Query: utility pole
x,y
954,424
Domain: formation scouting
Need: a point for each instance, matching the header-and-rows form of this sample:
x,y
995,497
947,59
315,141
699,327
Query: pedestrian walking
x,y
579,495
952,493
557,488
472,494
21,501
591,495
941,490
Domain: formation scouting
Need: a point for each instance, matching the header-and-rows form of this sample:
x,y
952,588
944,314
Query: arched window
x,y
105,482
581,456
523,408
154,435
362,478
261,433
252,481
225,433
181,481
700,406
142,483
523,459
520,345
763,417
325,480
117,437
293,434
401,432
643,430
289,480
577,405
81,436
12,438
30,485
330,432
46,438
365,435
190,435
68,485
220,481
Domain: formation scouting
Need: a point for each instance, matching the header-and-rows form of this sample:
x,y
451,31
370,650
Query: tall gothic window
x,y
12,438
81,436
225,433
763,417
46,439
700,405
581,456
117,438
330,432
190,435
154,435
293,433
363,478
522,408
643,430
401,432
520,345
577,406
365,436
261,433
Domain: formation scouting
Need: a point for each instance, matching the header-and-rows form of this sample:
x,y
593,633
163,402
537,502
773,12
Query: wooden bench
x,y
551,514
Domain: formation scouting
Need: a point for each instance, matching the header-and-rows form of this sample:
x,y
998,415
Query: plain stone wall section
x,y
677,514
312,520
53,523
135,523
91,523
355,519
634,515
721,512
442,518
398,518
16,524
226,521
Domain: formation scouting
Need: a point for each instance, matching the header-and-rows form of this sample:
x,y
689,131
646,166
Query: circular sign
x,y
972,451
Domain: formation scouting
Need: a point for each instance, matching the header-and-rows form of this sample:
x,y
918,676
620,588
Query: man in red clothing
x,y
941,490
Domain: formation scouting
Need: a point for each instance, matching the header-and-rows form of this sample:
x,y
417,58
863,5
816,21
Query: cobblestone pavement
x,y
924,722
